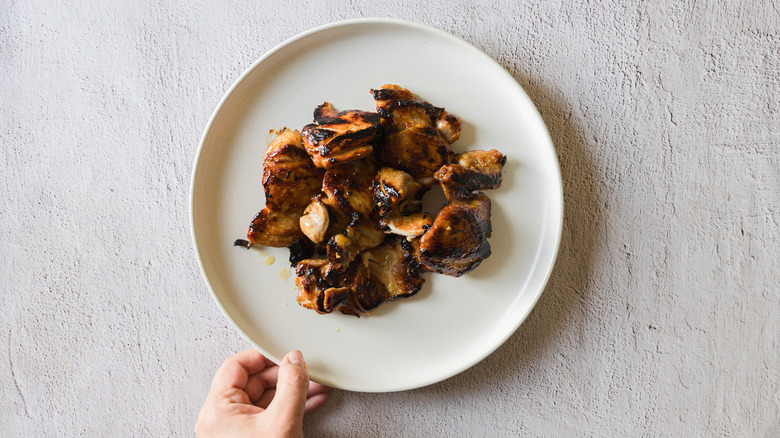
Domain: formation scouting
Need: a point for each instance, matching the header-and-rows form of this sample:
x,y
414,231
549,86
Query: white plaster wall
x,y
660,318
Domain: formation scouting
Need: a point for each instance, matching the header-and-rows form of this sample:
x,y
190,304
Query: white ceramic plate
x,y
452,323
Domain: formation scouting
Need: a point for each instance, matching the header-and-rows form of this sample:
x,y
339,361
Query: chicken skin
x,y
290,179
352,292
339,137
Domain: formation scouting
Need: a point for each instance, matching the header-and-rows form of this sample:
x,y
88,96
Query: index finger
x,y
235,371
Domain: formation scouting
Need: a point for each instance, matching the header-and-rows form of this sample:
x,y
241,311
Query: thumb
x,y
291,389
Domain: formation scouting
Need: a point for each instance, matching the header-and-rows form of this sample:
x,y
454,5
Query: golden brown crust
x,y
348,188
339,137
386,273
413,139
290,179
471,172
457,242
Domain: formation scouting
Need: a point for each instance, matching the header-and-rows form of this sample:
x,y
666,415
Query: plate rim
x,y
497,341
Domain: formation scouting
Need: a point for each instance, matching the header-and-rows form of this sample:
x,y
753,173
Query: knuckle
x,y
297,379
236,395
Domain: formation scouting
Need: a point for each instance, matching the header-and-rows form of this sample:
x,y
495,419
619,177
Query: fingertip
x,y
291,388
293,371
295,357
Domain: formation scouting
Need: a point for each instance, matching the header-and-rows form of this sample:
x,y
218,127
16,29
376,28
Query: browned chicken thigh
x,y
470,172
339,137
353,292
457,242
290,179
385,273
394,264
417,134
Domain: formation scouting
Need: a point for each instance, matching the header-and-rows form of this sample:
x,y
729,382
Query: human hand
x,y
251,396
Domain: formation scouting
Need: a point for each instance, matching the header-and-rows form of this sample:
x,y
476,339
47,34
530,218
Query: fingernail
x,y
295,357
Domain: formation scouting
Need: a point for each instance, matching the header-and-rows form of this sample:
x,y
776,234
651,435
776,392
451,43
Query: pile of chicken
x,y
349,187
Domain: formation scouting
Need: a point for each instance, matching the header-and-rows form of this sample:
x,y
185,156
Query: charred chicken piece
x,y
397,203
386,273
457,242
394,264
449,126
470,172
396,193
314,290
339,137
343,248
347,188
290,179
348,194
353,292
301,249
394,100
418,134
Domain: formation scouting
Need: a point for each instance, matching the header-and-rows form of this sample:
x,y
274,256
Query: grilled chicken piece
x,y
301,249
386,273
470,172
457,241
410,226
314,291
353,292
393,263
397,203
418,134
339,137
391,98
396,193
449,126
343,248
348,193
290,179
347,188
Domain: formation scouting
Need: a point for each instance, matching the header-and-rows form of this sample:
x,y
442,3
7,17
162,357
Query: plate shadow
x,y
569,280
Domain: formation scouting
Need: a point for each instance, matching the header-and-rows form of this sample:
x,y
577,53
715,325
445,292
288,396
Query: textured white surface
x,y
660,318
